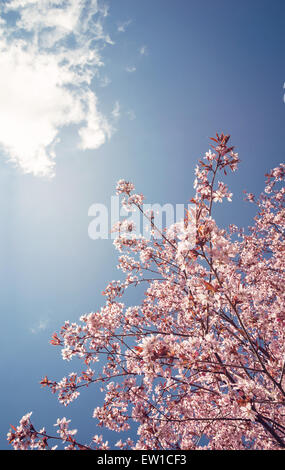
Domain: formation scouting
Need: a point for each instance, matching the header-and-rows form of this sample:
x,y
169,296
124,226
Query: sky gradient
x,y
91,92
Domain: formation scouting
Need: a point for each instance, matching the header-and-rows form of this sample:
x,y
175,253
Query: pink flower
x,y
201,353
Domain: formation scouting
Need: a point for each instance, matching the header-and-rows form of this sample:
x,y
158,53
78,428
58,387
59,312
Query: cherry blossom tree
x,y
199,363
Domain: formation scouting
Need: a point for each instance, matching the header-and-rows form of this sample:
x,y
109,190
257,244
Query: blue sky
x,y
91,92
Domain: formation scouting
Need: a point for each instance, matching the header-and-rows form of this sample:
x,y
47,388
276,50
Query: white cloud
x,y
123,26
131,115
105,81
41,325
97,128
50,14
116,111
47,63
143,50
131,69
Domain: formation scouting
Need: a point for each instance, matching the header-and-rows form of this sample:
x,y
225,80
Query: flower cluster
x,y
199,361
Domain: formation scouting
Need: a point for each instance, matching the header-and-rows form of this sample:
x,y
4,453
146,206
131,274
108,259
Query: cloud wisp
x,y
123,26
116,113
40,326
131,69
143,50
49,54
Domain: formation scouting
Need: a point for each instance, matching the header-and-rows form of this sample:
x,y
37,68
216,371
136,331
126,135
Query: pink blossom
x,y
202,352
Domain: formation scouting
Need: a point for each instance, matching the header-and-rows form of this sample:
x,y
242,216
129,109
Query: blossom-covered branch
x,y
199,362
